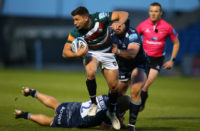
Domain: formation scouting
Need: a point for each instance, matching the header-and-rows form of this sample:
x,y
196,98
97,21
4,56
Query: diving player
x,y
71,114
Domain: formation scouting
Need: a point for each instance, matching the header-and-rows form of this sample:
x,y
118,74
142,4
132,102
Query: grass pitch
x,y
173,104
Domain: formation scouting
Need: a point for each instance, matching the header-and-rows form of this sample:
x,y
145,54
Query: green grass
x,y
173,104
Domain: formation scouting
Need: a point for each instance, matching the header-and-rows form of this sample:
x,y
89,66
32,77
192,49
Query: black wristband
x,y
173,59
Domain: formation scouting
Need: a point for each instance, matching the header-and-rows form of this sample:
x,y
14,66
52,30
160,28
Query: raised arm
x,y
120,17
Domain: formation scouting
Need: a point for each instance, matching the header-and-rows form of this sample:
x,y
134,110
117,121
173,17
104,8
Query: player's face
x,y
120,30
80,21
155,13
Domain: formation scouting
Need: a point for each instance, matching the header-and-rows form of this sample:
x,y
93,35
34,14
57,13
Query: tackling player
x,y
94,29
71,114
155,31
133,66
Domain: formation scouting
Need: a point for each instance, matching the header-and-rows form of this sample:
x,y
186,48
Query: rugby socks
x,y
113,101
25,115
144,96
92,86
32,93
134,109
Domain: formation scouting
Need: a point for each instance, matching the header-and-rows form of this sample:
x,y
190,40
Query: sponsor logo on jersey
x,y
70,38
154,38
147,30
115,63
174,31
60,115
103,15
153,42
101,102
133,37
158,67
123,46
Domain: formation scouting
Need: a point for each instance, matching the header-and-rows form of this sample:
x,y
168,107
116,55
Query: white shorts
x,y
107,60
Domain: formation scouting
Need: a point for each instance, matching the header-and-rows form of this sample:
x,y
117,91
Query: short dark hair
x,y
80,11
156,4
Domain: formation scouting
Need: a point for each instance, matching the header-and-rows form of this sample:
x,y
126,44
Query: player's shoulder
x,y
143,25
145,22
132,30
101,15
75,32
162,21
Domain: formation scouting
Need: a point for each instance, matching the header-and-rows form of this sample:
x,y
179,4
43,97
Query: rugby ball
x,y
79,41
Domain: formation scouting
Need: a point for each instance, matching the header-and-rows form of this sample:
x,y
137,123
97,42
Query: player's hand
x,y
168,65
82,51
115,25
114,49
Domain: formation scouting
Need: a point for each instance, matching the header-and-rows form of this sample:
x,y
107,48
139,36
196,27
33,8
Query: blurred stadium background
x,y
33,32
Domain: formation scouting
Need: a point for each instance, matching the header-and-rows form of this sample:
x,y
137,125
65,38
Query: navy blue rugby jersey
x,y
131,36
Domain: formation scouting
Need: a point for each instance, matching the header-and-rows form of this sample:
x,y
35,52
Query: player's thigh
x,y
111,77
138,79
138,75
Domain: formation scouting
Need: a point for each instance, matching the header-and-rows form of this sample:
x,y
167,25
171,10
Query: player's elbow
x,y
64,54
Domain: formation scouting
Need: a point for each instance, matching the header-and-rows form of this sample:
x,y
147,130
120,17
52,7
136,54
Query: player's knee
x,y
113,86
91,74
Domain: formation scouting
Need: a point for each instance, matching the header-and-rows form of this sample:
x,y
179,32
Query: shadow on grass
x,y
155,129
174,118
137,128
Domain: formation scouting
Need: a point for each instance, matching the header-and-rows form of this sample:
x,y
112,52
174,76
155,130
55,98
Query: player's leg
x,y
38,118
138,79
48,101
111,77
122,87
91,65
153,73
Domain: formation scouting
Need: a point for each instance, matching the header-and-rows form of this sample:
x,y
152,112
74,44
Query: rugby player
x,y
155,31
94,29
133,66
72,114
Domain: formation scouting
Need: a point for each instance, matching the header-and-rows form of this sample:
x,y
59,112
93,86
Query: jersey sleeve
x,y
72,35
104,16
134,38
172,33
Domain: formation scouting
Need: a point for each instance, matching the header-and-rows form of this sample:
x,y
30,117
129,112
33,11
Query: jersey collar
x,y
157,23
